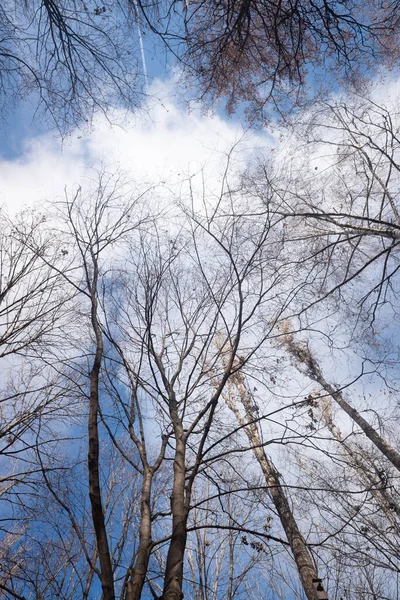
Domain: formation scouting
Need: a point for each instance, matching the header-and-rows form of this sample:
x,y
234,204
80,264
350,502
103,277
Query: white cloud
x,y
164,144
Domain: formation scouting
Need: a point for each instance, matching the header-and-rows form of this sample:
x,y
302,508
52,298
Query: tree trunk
x,y
107,579
305,565
179,506
304,356
139,571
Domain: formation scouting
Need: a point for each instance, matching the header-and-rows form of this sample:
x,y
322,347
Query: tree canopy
x,y
199,384
73,57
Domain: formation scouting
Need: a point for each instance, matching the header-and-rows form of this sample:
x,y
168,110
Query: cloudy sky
x,y
162,144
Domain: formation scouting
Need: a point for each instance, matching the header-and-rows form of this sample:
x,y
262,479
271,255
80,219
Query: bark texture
x,y
138,574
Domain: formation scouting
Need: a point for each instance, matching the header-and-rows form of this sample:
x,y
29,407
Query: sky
x,y
162,145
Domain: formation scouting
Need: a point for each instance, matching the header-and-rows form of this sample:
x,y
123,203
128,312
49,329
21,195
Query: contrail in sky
x,y
141,46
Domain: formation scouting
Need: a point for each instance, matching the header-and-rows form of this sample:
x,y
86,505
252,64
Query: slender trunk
x,y
388,504
139,571
391,454
89,580
310,581
305,565
314,372
107,579
200,595
230,593
179,506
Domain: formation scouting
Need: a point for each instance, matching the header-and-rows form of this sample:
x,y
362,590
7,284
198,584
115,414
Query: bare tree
x,y
343,210
237,388
217,562
33,309
354,509
258,52
74,58
31,298
94,230
359,459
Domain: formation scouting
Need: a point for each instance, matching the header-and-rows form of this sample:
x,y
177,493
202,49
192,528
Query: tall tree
x,y
238,392
94,230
